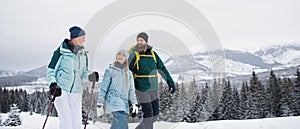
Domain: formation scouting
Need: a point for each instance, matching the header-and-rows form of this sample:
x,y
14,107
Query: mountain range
x,y
240,63
283,59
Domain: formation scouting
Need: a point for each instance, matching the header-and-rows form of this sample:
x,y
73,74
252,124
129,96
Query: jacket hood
x,y
65,49
113,66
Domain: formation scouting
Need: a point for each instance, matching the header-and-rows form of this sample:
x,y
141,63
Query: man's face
x,y
140,41
141,44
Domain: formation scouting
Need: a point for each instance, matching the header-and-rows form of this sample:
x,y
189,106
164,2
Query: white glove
x,y
100,110
135,109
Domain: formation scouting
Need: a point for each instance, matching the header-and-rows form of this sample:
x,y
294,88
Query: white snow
x,y
238,68
284,58
36,122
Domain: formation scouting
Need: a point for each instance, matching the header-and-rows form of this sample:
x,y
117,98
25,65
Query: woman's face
x,y
79,40
121,58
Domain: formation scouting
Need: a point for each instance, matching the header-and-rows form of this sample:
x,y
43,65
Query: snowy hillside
x,y
4,73
30,77
276,57
38,85
36,122
281,53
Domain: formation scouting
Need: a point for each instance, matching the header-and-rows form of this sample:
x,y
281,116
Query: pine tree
x,y
236,104
244,101
216,98
296,88
273,95
227,112
182,103
186,101
292,102
4,101
13,117
257,99
38,103
206,103
284,102
165,105
191,95
25,102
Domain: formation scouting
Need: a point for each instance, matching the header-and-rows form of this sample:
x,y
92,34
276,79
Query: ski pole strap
x,y
144,76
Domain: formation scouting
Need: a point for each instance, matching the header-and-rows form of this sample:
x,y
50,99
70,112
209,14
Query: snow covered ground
x,y
36,122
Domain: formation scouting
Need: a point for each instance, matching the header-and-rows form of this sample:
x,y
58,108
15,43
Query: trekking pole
x,y
89,107
50,108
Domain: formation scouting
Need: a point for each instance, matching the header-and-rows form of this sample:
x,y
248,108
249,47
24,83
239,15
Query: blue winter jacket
x,y
68,69
115,91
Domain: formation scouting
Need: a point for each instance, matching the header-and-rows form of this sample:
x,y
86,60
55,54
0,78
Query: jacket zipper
x,y
73,82
75,74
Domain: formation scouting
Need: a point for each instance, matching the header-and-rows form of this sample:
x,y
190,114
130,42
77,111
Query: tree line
x,y
193,102
278,97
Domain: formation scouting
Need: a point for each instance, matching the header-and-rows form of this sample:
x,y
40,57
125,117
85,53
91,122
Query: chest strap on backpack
x,y
144,76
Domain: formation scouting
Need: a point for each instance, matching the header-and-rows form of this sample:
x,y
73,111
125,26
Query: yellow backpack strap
x,y
136,63
153,55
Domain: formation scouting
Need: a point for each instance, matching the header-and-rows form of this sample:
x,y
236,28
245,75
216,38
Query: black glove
x,y
172,89
94,77
55,90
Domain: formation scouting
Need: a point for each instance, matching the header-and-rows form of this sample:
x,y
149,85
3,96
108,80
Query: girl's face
x,y
121,58
79,40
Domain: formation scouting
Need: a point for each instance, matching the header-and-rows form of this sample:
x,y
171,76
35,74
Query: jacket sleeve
x,y
104,87
53,65
85,72
163,71
131,92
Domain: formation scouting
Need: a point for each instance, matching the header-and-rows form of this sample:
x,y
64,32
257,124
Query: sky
x,y
31,30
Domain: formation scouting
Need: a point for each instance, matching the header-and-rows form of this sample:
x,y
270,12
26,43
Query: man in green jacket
x,y
145,64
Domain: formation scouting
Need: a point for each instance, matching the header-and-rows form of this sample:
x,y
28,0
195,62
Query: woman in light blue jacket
x,y
65,74
116,89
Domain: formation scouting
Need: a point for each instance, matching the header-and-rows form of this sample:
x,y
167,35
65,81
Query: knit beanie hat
x,y
125,52
76,31
143,35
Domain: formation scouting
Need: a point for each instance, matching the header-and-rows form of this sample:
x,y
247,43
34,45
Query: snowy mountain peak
x,y
287,53
276,57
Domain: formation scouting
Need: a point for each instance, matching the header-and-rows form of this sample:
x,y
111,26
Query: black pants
x,y
150,108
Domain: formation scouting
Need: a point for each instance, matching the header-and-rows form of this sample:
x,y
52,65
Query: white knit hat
x,y
123,51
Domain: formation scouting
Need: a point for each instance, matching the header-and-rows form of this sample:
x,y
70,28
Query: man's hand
x,y
172,89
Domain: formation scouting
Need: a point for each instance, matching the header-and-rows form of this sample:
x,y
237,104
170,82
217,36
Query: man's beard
x,y
141,47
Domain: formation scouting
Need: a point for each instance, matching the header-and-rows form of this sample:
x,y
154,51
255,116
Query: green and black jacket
x,y
145,66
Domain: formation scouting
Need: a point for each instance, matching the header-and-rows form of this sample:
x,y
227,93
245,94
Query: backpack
x,y
138,56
